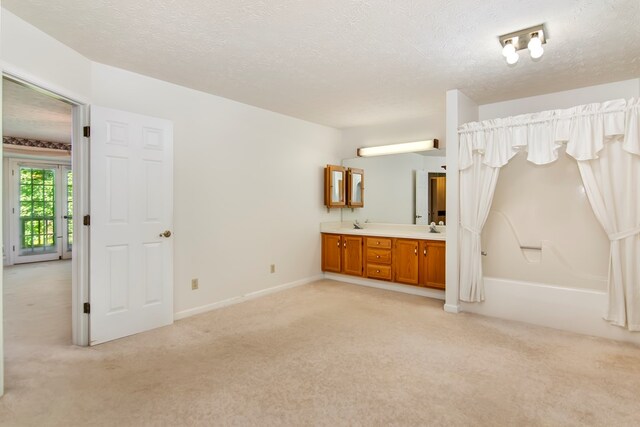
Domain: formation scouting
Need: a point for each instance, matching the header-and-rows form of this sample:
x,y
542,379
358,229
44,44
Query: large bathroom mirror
x,y
405,188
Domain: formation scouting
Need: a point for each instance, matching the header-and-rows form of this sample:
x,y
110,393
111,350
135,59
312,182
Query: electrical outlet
x,y
273,268
194,284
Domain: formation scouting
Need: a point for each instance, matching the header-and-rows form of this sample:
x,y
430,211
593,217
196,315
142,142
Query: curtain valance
x,y
584,128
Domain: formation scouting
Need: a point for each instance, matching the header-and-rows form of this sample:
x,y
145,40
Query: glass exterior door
x,y
43,209
67,212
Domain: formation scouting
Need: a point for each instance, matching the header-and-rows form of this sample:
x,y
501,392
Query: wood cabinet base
x,y
407,261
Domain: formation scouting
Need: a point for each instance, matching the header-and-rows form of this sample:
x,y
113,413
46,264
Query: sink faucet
x,y
432,228
356,225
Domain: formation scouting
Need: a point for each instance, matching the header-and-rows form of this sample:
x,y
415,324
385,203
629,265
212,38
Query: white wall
x,y
46,61
248,187
460,109
248,182
559,100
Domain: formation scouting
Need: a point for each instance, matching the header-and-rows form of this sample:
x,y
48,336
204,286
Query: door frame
x,y
13,202
80,168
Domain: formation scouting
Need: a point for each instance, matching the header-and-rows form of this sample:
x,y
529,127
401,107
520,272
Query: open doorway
x,y
437,197
37,218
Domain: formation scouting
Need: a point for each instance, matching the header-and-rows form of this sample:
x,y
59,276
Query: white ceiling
x,y
349,63
33,115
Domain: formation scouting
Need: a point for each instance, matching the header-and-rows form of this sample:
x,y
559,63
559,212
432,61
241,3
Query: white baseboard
x,y
451,308
569,309
242,298
407,289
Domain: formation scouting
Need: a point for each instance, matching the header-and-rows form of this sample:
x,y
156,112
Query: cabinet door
x,y
405,261
331,253
355,184
335,186
352,257
432,264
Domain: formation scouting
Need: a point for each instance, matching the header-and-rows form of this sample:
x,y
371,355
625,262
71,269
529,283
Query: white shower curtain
x,y
605,141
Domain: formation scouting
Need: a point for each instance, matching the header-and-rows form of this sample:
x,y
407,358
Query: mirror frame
x,y
350,192
329,185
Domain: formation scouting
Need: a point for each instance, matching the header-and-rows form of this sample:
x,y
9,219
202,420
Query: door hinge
x,y
86,220
86,131
14,249
13,172
87,308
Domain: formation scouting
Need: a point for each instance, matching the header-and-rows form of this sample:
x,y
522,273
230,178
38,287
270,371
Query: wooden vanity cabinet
x,y
409,261
405,261
432,263
342,254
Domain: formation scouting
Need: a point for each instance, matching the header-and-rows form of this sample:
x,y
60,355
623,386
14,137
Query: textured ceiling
x,y
32,115
349,63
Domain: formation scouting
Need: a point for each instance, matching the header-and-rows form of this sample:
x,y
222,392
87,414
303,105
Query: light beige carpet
x,y
321,354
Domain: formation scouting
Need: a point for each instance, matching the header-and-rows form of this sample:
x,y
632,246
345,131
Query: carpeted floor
x,y
322,354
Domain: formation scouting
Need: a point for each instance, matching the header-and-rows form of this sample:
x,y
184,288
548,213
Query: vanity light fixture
x,y
407,147
532,38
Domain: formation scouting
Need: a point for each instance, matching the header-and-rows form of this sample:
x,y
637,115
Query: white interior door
x,y
131,261
422,192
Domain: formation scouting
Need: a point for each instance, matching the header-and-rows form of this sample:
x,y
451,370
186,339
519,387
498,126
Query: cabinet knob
x,y
377,271
425,251
415,251
377,256
377,243
338,243
344,244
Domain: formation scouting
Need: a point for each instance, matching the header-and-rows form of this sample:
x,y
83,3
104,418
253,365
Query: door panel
x,y
131,274
352,255
405,259
331,253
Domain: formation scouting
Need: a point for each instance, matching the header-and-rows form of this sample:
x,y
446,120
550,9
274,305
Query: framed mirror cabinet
x,y
343,187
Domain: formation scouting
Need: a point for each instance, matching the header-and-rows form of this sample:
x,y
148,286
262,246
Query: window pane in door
x,y
37,210
69,210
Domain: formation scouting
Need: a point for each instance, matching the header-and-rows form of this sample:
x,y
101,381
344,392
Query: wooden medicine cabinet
x,y
343,187
335,186
355,192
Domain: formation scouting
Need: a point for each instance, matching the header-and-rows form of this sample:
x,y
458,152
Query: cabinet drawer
x,y
378,242
378,271
380,256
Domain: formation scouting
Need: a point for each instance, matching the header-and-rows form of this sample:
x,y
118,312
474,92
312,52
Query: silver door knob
x,y
166,233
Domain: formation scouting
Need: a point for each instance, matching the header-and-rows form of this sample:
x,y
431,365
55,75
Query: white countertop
x,y
384,230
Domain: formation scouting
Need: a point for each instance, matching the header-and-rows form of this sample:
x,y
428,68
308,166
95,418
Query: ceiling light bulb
x,y
537,52
535,42
513,58
508,49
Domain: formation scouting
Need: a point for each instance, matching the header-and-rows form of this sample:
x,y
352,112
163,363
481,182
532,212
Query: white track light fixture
x,y
530,38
